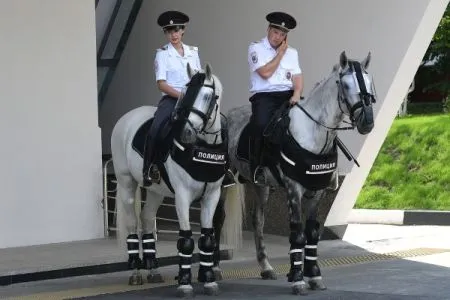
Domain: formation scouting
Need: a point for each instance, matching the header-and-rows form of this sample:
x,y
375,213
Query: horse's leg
x,y
218,220
207,241
262,196
185,244
125,193
148,216
297,239
311,268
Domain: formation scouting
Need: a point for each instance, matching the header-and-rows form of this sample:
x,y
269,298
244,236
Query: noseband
x,y
366,98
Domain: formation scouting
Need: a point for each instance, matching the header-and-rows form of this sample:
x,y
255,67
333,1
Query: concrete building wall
x,y
50,154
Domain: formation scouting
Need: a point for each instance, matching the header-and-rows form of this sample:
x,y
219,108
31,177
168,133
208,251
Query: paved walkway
x,y
371,262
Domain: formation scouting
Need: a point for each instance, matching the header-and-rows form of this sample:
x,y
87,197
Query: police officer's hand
x,y
294,100
282,48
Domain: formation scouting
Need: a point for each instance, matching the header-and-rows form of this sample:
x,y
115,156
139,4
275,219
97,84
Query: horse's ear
x,y
365,63
208,71
189,71
343,60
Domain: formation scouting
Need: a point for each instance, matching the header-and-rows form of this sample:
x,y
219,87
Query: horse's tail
x,y
121,232
126,194
121,216
234,215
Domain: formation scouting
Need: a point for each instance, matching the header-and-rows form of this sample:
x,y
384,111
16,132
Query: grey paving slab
x,y
400,279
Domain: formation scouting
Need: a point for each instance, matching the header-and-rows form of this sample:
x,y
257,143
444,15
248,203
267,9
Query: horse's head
x,y
198,104
356,92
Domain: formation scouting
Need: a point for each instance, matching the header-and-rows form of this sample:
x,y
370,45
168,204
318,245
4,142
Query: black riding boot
x,y
148,153
256,167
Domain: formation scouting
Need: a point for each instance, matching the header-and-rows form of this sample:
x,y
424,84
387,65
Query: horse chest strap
x,y
204,164
312,171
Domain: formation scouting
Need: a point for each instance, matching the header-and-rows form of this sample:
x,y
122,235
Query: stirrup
x,y
228,180
262,174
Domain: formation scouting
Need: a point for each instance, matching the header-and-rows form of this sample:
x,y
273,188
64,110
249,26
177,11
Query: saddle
x,y
205,163
272,140
313,171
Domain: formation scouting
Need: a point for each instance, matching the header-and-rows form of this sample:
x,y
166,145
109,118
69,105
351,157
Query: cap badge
x,y
171,22
282,23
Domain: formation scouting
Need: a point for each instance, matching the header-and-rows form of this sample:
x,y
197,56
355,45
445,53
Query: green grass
x,y
412,170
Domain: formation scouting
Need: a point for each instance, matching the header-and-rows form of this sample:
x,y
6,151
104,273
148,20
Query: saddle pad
x,y
138,142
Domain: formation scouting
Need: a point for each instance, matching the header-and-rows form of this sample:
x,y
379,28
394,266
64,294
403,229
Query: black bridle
x,y
366,98
186,103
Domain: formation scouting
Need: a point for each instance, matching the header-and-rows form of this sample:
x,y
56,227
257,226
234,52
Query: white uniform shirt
x,y
172,67
259,54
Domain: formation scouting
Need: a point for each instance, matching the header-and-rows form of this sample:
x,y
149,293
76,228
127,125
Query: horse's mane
x,y
318,89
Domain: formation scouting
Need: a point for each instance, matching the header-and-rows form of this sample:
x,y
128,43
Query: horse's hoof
x,y
269,275
299,288
155,278
211,289
136,279
185,291
316,284
218,273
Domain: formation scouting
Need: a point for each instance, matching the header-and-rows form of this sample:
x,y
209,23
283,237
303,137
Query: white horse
x,y
194,169
304,161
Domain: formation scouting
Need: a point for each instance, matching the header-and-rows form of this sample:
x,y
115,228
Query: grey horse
x,y
194,167
303,160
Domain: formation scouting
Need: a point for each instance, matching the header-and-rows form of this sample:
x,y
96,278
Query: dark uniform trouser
x,y
264,105
162,115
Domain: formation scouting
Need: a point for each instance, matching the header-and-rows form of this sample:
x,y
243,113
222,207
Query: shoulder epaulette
x,y
162,48
193,48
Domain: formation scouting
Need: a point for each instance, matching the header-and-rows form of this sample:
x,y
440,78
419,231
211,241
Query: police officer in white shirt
x,y
171,76
276,78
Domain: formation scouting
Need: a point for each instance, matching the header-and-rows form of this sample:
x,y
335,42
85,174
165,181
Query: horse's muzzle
x,y
364,120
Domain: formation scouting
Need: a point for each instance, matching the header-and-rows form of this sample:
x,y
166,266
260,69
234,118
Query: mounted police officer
x,y
275,77
171,76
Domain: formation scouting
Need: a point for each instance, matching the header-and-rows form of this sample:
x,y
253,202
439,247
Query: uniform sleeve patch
x,y
254,57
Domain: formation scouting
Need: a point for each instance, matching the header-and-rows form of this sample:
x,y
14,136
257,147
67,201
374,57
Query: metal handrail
x,y
105,199
106,210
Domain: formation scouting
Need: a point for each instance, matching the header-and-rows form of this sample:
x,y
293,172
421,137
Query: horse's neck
x,y
323,106
213,133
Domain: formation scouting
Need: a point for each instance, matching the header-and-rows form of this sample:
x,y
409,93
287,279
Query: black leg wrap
x,y
149,249
206,245
185,248
312,236
134,262
298,241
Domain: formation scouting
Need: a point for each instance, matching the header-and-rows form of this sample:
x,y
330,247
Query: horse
x,y
192,160
301,156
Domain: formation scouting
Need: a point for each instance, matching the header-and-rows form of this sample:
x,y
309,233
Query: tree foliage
x,y
439,53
